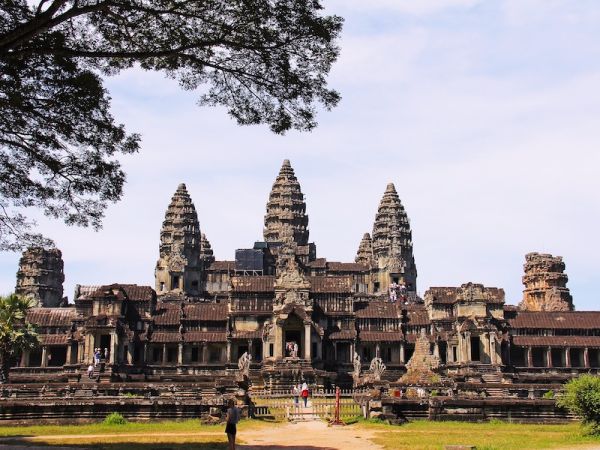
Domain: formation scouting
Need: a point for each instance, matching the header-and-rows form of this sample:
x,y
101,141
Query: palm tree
x,y
16,334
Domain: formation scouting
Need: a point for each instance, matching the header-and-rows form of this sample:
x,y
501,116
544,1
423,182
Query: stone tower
x,y
206,251
41,276
545,284
179,267
286,206
364,255
392,242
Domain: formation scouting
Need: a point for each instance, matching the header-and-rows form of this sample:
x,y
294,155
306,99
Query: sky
x,y
484,114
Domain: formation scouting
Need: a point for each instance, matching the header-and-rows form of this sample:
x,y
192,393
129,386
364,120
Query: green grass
x,y
171,426
495,435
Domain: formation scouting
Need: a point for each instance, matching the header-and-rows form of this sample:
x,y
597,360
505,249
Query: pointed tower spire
x,y
179,267
392,239
286,206
364,255
206,251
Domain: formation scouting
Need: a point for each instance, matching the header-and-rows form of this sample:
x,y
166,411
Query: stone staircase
x,y
493,378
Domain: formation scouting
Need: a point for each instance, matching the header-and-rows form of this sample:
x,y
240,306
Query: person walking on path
x,y
305,393
90,371
232,418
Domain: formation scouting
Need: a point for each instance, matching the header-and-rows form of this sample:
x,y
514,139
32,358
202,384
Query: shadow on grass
x,y
16,443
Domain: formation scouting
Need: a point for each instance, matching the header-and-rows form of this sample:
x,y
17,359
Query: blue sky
x,y
484,115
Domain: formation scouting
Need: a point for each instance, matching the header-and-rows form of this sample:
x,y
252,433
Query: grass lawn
x,y
495,435
188,434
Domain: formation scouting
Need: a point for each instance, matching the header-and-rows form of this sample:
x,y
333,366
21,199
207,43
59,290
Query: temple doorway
x,y
293,332
475,349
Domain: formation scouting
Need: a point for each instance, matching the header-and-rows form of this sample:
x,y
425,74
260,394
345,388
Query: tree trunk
x,y
3,367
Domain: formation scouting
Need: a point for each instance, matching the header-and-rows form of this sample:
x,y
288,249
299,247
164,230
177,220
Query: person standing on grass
x,y
296,394
232,418
305,393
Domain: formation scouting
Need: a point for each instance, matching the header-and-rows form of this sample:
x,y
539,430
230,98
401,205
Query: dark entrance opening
x,y
538,355
343,352
104,343
258,351
558,355
241,350
57,356
293,337
443,351
517,356
475,350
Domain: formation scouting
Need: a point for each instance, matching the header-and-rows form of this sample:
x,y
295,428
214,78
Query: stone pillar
x,y
145,357
436,349
377,350
335,350
204,353
24,359
250,348
228,351
529,357
567,357
44,362
130,352
467,347
549,357
586,357
81,352
278,341
113,348
68,357
351,351
320,348
307,342
164,355
180,354
402,354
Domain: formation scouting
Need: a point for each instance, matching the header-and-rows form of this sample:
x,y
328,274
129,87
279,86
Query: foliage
x,y
582,397
115,418
548,395
266,61
16,335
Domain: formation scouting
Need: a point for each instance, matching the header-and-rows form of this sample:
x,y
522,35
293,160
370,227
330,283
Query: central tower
x,y
285,207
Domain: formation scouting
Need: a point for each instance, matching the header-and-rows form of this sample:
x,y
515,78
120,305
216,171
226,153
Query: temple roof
x,y
559,319
364,255
450,295
330,284
557,341
51,317
379,310
263,283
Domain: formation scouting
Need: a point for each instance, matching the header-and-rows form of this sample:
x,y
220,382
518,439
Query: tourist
x,y
96,356
105,354
232,418
90,371
305,393
295,350
393,292
296,389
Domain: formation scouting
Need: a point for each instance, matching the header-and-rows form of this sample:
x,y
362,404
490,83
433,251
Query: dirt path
x,y
313,435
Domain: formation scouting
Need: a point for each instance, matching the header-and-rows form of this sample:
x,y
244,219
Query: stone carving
x,y
180,247
422,365
244,365
377,368
545,284
41,276
392,238
357,367
286,206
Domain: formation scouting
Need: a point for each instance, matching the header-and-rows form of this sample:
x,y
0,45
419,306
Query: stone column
x,y
307,342
145,357
180,354
351,351
335,350
130,352
164,355
529,357
24,359
68,357
436,349
113,348
549,357
567,357
228,351
204,353
586,357
467,347
278,341
250,348
492,347
44,362
402,354
377,350
81,352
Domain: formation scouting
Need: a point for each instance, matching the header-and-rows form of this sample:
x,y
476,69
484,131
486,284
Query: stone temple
x,y
302,317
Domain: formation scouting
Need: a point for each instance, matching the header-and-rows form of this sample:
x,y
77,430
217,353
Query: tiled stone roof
x,y
204,336
380,336
53,339
210,312
343,335
379,310
264,283
331,284
562,319
51,317
557,341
